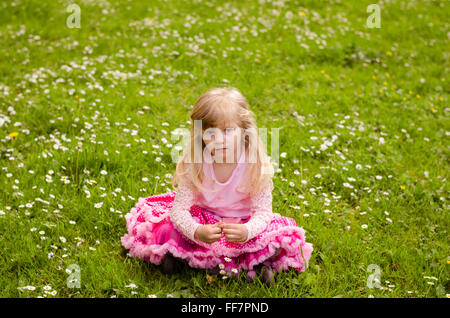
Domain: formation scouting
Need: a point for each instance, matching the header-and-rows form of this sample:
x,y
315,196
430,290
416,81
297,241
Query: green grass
x,y
76,98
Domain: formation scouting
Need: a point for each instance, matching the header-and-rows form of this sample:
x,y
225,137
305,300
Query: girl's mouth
x,y
220,149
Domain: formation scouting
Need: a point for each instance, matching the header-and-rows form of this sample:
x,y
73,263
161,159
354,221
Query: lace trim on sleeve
x,y
180,216
261,213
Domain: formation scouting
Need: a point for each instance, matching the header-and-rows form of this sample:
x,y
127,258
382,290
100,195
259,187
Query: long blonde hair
x,y
214,108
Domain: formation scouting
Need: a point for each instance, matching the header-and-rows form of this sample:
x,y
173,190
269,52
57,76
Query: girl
x,y
220,217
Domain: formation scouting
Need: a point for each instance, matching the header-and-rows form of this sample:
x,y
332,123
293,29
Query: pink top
x,y
227,202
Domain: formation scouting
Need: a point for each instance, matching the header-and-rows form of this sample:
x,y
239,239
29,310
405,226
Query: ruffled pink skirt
x,y
151,235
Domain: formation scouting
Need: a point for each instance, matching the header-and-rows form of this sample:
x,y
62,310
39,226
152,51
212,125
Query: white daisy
x,y
132,285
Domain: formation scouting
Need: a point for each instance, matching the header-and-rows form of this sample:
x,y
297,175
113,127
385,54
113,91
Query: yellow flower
x,y
418,96
13,134
374,77
387,75
302,13
327,76
441,99
404,98
402,187
385,83
448,262
76,96
322,71
389,53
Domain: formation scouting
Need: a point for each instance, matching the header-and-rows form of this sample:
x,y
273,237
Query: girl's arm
x,y
180,216
261,213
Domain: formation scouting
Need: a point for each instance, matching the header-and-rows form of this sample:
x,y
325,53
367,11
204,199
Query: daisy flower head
x,y
98,205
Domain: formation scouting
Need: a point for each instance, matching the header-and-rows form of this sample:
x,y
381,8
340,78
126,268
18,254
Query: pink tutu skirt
x,y
151,236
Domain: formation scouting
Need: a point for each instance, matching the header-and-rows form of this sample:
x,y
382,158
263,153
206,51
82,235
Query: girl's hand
x,y
208,233
235,232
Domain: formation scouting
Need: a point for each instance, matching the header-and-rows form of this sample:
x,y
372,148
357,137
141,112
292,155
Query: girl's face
x,y
223,143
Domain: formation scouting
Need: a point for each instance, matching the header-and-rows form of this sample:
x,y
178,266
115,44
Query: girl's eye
x,y
229,130
209,132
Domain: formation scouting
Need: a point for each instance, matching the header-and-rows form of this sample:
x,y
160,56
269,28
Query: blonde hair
x,y
218,107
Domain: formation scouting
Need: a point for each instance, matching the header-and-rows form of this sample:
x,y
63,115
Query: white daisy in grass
x,y
132,286
47,287
227,259
364,226
104,172
152,296
98,205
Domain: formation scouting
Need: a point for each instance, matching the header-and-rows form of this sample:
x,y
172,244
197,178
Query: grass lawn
x,y
87,117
